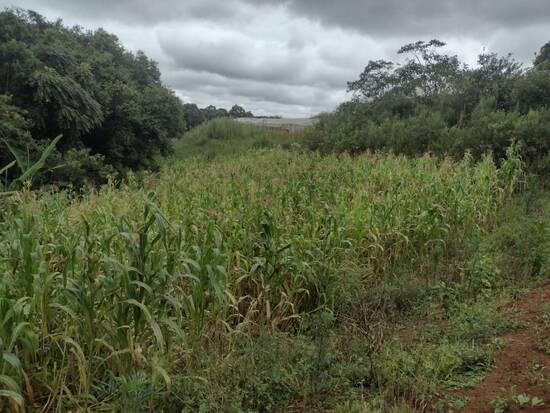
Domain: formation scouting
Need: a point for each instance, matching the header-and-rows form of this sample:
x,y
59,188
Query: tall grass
x,y
102,297
224,136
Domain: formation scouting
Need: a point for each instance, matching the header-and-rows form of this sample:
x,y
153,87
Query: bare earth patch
x,y
523,364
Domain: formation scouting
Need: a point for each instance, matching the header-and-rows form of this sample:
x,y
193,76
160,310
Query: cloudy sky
x,y
294,57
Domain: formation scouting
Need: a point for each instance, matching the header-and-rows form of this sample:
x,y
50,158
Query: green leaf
x,y
22,165
536,402
30,172
8,166
10,383
523,399
65,309
142,285
154,325
16,397
12,359
15,334
158,370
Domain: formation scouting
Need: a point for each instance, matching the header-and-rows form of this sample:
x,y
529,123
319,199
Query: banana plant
x,y
27,171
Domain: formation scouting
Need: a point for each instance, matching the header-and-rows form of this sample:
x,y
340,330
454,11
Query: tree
x,y
431,102
63,105
427,72
193,115
542,60
375,81
221,113
423,75
237,112
13,130
210,112
145,70
105,100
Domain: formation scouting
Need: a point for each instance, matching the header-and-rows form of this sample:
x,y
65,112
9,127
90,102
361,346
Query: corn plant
x,y
104,297
27,170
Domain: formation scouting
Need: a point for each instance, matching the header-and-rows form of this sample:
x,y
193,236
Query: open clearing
x,y
289,124
522,366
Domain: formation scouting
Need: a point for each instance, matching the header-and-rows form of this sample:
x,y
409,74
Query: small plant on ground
x,y
507,400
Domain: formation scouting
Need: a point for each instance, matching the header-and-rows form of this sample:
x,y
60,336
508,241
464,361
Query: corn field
x,y
113,287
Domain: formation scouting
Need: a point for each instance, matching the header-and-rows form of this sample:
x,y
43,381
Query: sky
x,y
294,57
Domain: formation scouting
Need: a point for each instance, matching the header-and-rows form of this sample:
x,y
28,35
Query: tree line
x,y
194,116
432,102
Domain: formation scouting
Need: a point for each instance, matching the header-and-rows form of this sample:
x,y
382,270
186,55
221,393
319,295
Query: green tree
x,y
237,112
193,115
542,60
423,75
13,130
432,102
84,85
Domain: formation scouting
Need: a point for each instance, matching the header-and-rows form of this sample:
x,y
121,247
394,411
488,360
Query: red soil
x,y
520,362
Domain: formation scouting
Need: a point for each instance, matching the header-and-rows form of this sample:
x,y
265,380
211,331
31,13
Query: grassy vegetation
x,y
268,280
223,136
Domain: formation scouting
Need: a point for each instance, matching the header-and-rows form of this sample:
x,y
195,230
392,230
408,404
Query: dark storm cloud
x,y
294,57
142,12
388,17
407,17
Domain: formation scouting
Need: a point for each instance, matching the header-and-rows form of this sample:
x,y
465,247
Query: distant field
x,y
289,124
224,136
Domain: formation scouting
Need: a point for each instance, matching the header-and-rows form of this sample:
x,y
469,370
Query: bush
x,y
78,168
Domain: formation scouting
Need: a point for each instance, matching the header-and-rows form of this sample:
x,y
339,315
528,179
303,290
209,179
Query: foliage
x,y
193,115
27,170
507,400
433,102
542,59
423,75
13,129
108,103
268,280
239,112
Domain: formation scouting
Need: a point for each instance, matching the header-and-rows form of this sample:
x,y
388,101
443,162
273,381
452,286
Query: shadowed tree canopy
x,y
542,61
239,112
108,103
193,115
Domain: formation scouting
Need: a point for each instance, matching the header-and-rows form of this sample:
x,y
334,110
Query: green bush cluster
x,y
433,103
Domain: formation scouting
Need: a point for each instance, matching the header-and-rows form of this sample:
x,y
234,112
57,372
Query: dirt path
x,y
520,363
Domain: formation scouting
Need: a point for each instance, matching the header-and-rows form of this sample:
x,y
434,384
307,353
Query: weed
x,y
506,400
